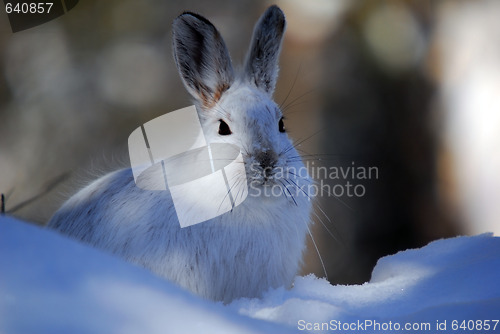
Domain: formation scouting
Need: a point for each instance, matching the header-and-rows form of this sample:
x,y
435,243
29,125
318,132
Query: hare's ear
x,y
261,65
202,58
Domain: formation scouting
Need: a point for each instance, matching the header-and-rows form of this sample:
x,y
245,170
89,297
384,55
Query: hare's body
x,y
241,253
238,254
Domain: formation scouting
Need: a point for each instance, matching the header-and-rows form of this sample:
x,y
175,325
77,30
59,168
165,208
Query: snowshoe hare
x,y
242,253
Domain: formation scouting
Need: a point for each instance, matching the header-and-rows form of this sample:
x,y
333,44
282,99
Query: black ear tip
x,y
190,17
275,11
275,16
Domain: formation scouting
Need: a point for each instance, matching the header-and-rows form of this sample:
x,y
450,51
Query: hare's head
x,y
237,108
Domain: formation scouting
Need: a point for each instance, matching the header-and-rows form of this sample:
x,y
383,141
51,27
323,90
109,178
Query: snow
x,y
454,279
51,284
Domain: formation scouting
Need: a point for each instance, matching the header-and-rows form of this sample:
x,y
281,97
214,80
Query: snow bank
x,y
448,280
51,284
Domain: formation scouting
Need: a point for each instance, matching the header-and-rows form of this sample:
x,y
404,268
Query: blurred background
x,y
411,88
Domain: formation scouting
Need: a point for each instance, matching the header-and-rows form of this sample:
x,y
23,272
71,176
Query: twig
x,y
48,187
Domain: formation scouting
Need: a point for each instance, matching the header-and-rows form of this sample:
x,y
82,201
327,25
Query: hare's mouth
x,y
278,183
270,185
264,176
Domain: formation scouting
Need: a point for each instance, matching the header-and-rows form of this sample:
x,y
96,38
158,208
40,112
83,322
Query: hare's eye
x,y
224,129
281,125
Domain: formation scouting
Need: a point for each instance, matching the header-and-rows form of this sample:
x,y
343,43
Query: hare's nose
x,y
267,160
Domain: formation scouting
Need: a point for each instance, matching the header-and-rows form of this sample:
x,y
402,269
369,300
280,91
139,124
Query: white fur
x,y
241,253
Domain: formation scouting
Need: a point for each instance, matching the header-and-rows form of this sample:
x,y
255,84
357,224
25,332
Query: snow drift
x,y
51,284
